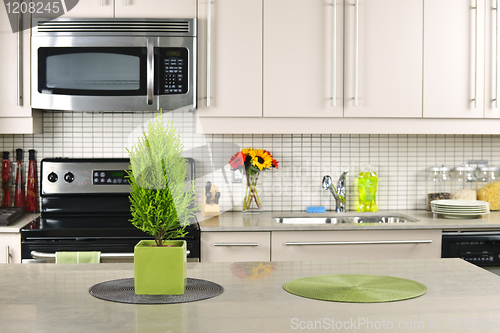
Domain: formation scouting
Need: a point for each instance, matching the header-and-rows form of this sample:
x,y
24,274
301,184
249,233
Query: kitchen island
x,y
54,298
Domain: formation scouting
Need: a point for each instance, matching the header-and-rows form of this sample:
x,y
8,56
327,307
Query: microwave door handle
x,y
150,70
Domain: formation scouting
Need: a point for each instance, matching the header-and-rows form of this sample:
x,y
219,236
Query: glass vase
x,y
251,200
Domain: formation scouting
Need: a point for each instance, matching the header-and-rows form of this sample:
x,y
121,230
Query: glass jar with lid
x,y
488,174
464,182
489,182
438,184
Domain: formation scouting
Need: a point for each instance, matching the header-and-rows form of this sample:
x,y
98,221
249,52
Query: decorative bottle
x,y
31,200
19,193
5,179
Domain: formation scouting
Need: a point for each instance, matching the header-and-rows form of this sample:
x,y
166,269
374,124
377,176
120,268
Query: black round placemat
x,y
123,291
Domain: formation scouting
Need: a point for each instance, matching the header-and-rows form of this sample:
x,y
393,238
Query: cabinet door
x,y
92,9
383,58
10,248
15,69
339,245
454,58
230,58
235,246
492,72
155,8
303,55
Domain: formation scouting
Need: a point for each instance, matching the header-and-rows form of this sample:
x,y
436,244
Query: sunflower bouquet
x,y
253,161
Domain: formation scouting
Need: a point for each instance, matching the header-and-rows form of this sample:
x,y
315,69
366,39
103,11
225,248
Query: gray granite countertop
x,y
236,221
17,225
54,298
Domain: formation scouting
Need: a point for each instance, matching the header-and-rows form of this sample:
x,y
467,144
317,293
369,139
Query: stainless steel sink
x,y
346,219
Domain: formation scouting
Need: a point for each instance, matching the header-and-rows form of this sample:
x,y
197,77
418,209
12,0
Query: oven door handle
x,y
44,255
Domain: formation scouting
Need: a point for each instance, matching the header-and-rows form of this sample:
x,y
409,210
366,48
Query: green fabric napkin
x,y
87,257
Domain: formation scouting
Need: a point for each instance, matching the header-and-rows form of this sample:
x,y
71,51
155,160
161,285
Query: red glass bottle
x,y
31,200
19,193
5,179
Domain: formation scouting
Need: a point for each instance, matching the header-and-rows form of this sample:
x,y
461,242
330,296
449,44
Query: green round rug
x,y
355,288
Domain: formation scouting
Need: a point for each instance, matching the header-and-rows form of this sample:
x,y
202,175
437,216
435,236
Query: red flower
x,y
275,163
237,160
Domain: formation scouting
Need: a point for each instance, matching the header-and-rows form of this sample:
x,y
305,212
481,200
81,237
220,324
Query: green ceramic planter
x,y
160,270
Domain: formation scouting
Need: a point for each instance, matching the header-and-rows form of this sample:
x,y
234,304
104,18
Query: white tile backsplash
x,y
401,160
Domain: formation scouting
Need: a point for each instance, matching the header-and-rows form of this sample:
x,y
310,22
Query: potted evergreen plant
x,y
160,203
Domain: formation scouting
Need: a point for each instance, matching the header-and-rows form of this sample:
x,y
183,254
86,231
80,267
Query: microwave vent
x,y
115,27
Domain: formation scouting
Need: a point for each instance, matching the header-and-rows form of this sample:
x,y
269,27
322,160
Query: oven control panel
x,y
107,177
81,176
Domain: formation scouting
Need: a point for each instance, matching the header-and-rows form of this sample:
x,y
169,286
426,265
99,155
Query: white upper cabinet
x,y
303,58
383,58
454,66
308,73
133,9
155,8
16,115
492,72
92,8
229,58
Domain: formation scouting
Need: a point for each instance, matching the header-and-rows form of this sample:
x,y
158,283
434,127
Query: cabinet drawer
x,y
235,246
370,244
10,248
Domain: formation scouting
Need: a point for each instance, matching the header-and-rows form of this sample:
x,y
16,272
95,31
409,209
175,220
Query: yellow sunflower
x,y
247,151
261,159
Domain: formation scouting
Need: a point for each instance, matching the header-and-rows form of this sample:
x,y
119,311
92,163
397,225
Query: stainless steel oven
x,y
85,207
481,248
113,64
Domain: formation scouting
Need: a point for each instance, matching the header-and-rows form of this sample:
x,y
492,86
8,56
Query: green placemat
x,y
355,288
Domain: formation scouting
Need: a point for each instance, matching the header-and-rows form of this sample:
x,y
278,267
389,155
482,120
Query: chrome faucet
x,y
339,192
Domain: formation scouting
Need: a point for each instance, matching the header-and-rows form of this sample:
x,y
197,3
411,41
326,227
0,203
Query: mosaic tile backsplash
x,y
400,160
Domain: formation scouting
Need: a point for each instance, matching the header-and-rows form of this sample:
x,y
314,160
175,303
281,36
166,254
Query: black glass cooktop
x,y
91,226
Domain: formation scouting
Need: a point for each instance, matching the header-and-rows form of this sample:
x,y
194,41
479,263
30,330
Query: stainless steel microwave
x,y
113,64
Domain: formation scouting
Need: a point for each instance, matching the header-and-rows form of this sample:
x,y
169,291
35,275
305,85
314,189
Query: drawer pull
x,y
236,244
7,254
425,241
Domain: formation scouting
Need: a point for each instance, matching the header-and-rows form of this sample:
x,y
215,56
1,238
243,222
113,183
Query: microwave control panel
x,y
173,71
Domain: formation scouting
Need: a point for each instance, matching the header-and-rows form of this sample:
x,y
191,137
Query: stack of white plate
x,y
460,209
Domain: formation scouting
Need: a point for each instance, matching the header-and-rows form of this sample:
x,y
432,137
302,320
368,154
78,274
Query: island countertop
x,y
54,298
236,221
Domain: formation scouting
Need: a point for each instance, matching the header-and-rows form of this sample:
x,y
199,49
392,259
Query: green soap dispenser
x,y
367,190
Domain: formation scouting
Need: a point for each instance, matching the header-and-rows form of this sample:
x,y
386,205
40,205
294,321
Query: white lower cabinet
x,y
355,244
235,246
10,248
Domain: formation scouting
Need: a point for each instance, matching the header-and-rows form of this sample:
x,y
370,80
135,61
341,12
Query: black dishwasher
x,y
481,248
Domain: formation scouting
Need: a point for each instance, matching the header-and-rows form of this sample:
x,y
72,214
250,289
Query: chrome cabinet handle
x,y
125,2
334,70
150,70
476,54
356,51
102,2
236,244
20,58
7,254
496,54
209,42
45,255
359,242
